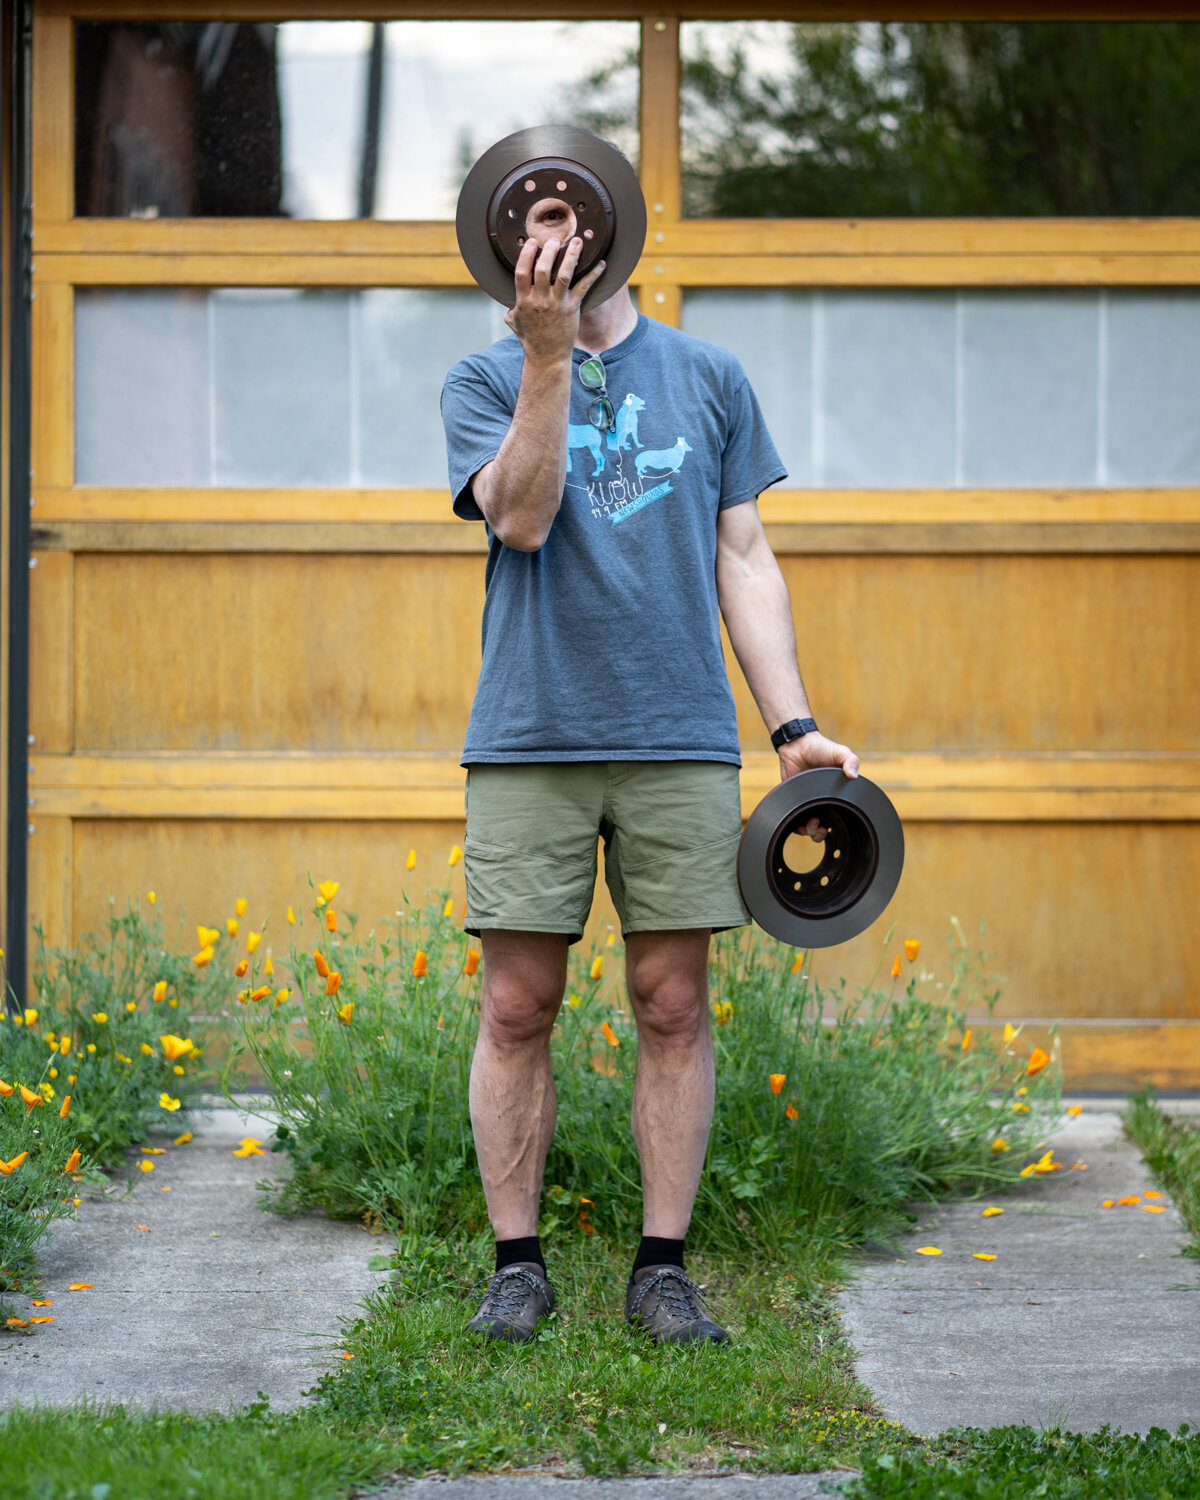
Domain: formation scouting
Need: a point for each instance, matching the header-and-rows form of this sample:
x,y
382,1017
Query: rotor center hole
x,y
550,218
801,853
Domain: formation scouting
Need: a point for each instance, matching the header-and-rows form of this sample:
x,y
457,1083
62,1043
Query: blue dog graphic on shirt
x,y
585,436
668,459
627,425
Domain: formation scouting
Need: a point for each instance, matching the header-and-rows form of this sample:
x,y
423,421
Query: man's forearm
x,y
758,616
520,491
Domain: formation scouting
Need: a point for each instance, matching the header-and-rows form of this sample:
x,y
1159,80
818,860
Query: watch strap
x,y
794,729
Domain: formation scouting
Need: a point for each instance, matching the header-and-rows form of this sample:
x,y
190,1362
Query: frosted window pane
x,y
1029,387
141,387
282,378
406,341
886,390
1152,398
771,332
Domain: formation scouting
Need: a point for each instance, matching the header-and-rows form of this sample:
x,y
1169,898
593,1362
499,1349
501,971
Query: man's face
x,y
552,218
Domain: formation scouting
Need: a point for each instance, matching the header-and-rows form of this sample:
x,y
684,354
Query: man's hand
x,y
545,316
806,754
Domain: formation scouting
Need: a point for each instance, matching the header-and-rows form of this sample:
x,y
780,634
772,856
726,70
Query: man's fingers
x,y
545,263
580,291
569,261
524,272
849,762
815,831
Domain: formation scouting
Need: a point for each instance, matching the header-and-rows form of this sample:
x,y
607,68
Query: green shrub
x,y
881,1104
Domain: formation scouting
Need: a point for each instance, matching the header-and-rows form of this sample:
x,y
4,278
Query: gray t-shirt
x,y
606,643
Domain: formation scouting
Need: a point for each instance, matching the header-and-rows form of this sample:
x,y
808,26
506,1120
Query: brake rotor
x,y
861,858
562,162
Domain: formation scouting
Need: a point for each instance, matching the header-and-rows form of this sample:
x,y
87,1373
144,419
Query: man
x,y
617,463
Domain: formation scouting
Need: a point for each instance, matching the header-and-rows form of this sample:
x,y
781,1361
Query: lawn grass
x,y
587,1396
1012,1463
1171,1147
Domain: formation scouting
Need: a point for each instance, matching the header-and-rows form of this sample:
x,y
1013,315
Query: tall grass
x,y
881,1104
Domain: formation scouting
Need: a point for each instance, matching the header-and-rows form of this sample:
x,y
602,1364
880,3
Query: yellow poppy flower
x,y
145,1166
239,906
249,1147
927,1250
151,897
182,1140
448,909
982,1255
175,1047
346,1014
597,967
252,941
282,995
999,1144
291,916
990,1213
326,891
147,1050
268,967
160,992
966,1041
455,854
912,946
1009,1031
231,926
205,956
411,862
100,1017
31,1016
166,1102
207,936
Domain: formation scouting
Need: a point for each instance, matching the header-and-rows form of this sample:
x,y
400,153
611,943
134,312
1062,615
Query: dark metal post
x,y
18,86
369,173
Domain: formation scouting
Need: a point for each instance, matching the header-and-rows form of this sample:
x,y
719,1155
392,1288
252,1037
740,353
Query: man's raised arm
x,y
520,491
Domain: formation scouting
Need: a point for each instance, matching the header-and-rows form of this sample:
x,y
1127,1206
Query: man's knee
x,y
523,980
669,1006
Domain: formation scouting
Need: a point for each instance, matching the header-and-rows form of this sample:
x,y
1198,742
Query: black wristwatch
x,y
794,729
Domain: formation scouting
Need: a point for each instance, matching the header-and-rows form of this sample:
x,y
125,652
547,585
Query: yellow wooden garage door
x,y
253,656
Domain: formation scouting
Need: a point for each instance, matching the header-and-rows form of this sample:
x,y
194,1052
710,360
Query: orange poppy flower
x,y
31,1099
330,919
7,1168
777,1081
420,964
792,1112
64,1108
472,962
322,966
333,983
6,1089
1037,1061
73,1161
610,1036
241,967
912,946
896,967
260,993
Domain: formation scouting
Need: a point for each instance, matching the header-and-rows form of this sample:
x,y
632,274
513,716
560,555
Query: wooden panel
x,y
275,652
51,879
996,653
660,121
53,144
1149,787
403,269
1124,1054
52,652
1084,919
52,433
722,238
198,869
89,519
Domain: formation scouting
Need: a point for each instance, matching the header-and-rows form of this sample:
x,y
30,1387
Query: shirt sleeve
x,y
749,462
476,420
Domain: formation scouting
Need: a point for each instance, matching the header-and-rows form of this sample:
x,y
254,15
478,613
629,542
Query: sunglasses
x,y
600,412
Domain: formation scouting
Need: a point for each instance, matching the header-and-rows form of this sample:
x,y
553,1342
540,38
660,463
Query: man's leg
x,y
512,1089
667,975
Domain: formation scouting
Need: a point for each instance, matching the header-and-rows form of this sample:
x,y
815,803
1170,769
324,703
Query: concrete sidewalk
x,y
1087,1315
210,1303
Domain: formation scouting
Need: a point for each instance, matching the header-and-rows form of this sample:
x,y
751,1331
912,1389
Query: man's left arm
x,y
758,615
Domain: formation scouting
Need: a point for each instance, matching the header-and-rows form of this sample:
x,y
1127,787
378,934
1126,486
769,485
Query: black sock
x,y
658,1252
508,1252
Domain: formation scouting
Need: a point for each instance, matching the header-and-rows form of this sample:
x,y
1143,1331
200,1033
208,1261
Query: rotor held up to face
x,y
552,180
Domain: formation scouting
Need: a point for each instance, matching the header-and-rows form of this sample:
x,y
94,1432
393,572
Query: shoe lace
x,y
509,1290
677,1293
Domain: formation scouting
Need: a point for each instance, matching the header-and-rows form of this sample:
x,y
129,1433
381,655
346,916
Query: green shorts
x,y
670,831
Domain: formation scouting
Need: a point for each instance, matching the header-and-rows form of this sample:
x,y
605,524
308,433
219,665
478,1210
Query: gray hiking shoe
x,y
669,1306
515,1299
